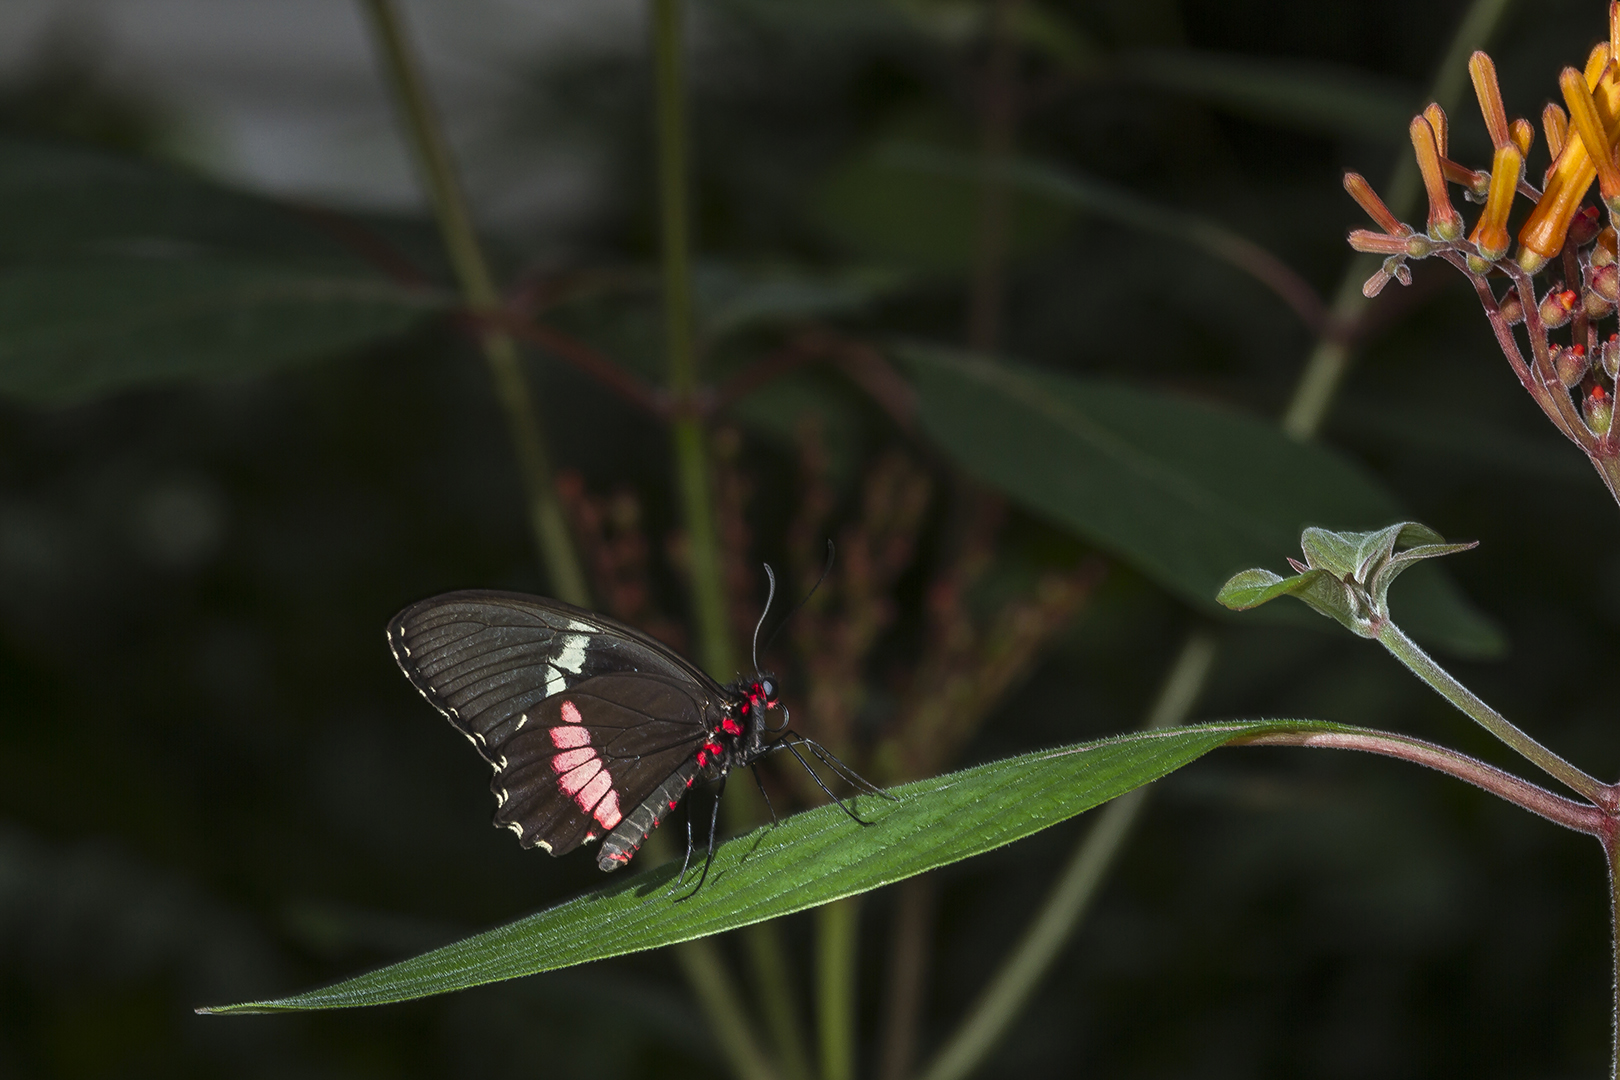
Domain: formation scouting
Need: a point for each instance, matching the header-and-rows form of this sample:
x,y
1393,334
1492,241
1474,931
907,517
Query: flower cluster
x,y
1572,367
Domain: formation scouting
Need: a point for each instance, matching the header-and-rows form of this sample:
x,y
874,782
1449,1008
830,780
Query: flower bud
x,y
1512,310
1603,252
1610,356
1598,408
1584,226
1571,364
1556,307
1605,282
1594,306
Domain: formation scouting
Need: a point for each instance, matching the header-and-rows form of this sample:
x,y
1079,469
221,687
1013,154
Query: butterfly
x,y
594,729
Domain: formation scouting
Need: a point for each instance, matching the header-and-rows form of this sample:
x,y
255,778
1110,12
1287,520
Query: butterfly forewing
x,y
582,717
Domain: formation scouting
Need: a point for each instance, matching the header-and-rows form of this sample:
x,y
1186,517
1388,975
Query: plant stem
x,y
770,963
550,528
1330,359
690,447
1609,855
836,925
1307,408
1580,816
999,111
692,478
1441,681
701,962
1017,977
915,899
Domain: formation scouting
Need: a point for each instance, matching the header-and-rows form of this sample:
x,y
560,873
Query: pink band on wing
x,y
566,738
592,793
570,713
575,779
607,811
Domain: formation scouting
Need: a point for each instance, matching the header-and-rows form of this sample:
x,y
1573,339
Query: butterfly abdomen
x,y
622,843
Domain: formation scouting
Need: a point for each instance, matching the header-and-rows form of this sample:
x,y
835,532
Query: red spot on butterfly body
x,y
730,726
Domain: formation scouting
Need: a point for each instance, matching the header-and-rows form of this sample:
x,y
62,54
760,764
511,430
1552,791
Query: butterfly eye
x,y
768,688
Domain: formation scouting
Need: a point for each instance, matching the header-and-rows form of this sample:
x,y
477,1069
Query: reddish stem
x,y
1570,813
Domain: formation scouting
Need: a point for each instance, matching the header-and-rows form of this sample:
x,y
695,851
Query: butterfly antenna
x,y
825,570
771,574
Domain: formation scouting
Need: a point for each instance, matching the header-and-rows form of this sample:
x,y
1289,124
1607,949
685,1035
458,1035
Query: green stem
x,y
770,963
714,646
690,447
1307,408
701,962
1019,975
1330,359
1441,681
836,925
546,520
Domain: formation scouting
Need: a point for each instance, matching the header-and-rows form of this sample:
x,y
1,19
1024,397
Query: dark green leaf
x,y
810,859
116,272
1314,96
1186,492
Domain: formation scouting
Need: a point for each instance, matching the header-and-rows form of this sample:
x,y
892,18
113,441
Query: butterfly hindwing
x,y
586,758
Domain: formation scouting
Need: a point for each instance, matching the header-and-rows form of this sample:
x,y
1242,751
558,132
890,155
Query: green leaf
x,y
810,859
1310,95
118,272
880,205
730,299
1185,492
1349,574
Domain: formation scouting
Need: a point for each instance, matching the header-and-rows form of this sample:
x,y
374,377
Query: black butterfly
x,y
593,728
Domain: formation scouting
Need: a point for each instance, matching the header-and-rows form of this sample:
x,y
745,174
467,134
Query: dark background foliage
x,y
214,784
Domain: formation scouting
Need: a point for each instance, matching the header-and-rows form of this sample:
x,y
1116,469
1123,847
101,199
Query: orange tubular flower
x,y
1571,175
1584,118
1368,200
1483,72
1555,125
1491,234
1444,221
1523,134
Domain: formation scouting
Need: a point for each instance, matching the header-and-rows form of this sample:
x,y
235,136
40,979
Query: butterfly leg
x,y
775,821
843,771
714,828
687,861
794,750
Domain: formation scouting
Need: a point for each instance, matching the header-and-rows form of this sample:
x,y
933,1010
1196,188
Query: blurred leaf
x,y
880,205
1185,492
730,299
1125,207
1312,95
809,859
117,272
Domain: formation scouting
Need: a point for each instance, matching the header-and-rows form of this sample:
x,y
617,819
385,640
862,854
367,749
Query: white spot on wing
x,y
515,827
572,655
575,624
543,844
556,683
500,800
524,719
